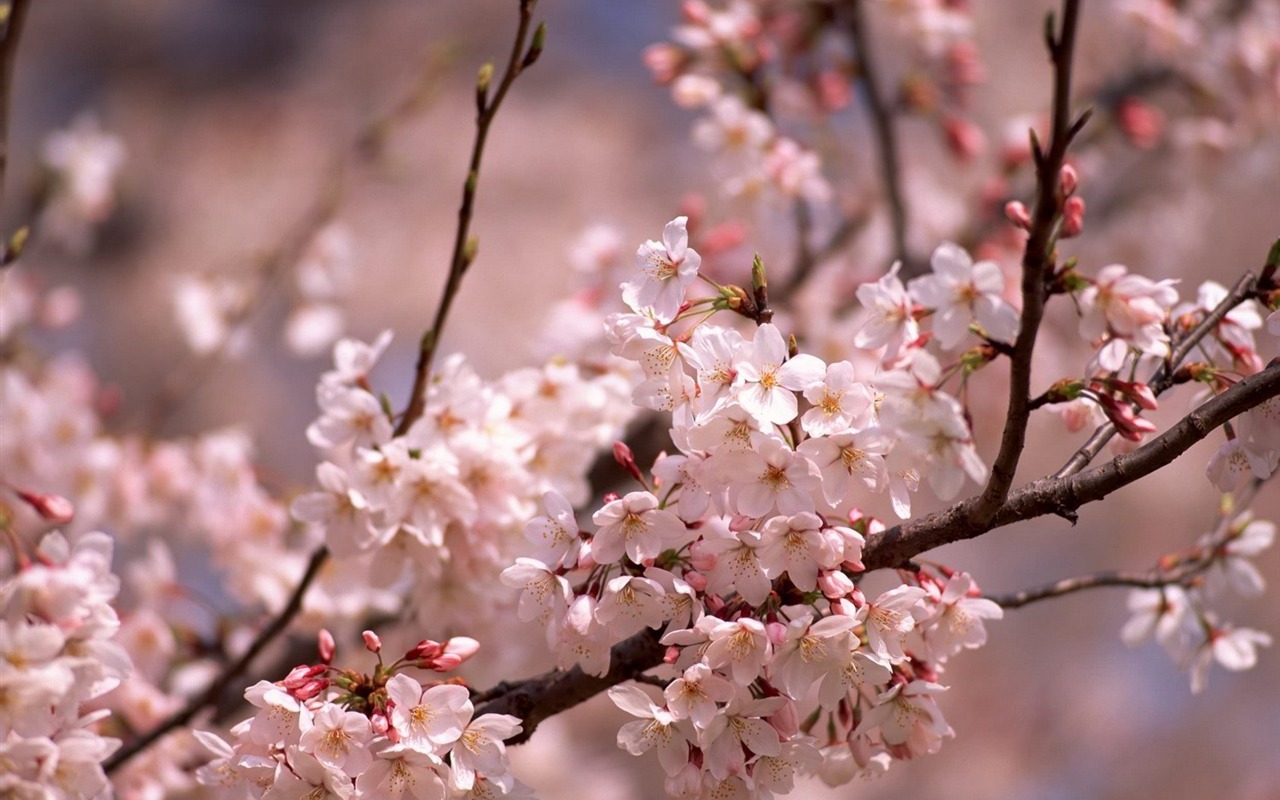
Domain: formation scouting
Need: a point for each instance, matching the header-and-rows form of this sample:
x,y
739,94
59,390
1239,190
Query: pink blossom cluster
x,y
1178,618
58,657
344,735
434,510
745,546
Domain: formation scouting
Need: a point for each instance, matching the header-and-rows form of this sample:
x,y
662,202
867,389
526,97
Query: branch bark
x,y
1037,267
463,246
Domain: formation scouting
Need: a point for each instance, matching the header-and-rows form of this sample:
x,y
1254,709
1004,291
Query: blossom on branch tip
x,y
666,270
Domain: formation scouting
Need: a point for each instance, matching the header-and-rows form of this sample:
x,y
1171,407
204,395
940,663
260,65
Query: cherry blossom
x,y
666,270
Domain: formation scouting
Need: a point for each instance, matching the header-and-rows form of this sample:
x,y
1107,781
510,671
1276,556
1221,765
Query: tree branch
x,y
1062,496
1037,267
15,17
536,699
229,673
1139,580
1164,377
1179,572
885,136
464,247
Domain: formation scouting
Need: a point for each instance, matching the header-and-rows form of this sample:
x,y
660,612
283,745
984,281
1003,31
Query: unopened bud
x,y
301,675
326,646
310,689
834,584
627,460
965,140
1017,213
463,647
52,507
1069,179
371,642
1072,217
427,648
1142,124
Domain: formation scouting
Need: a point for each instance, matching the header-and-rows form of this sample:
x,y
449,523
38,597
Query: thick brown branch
x,y
230,673
521,57
538,698
1037,264
1063,496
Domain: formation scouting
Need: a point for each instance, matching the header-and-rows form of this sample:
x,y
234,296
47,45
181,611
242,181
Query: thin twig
x,y
1165,376
464,248
885,135
1139,580
1181,573
1037,266
229,673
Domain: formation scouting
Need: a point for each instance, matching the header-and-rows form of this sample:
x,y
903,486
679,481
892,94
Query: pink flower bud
x,y
52,507
1072,217
965,140
427,648
664,62
310,689
371,642
1069,179
1128,425
1142,124
671,655
627,460
832,90
1139,393
1016,212
441,663
834,584
696,580
463,647
326,645
611,496
301,675
380,724
776,632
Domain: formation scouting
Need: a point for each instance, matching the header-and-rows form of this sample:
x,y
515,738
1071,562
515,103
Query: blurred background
x,y
232,116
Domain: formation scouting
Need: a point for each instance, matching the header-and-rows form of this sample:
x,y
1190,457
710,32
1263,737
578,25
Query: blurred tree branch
x,y
14,17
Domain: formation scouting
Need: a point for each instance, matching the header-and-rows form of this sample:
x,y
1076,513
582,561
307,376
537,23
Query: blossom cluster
x,y
344,735
746,544
435,509
1176,614
57,657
